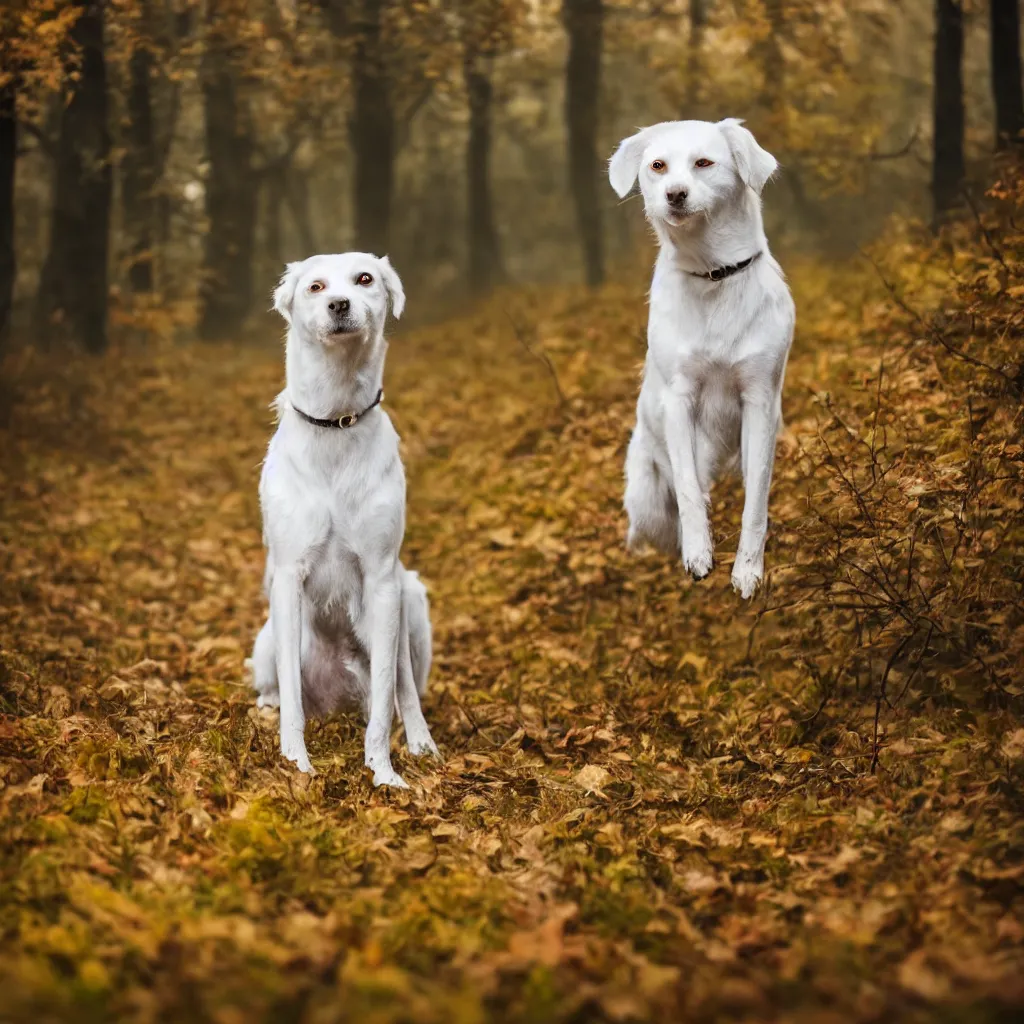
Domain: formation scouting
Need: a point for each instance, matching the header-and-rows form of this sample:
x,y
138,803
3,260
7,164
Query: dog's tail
x,y
417,616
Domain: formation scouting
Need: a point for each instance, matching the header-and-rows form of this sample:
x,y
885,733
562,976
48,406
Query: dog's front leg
x,y
386,622
286,611
681,441
759,428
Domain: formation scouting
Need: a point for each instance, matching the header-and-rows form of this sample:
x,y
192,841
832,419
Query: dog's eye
x,y
658,166
364,279
316,286
704,162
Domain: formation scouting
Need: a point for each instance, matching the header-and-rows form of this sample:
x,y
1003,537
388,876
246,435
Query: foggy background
x,y
170,155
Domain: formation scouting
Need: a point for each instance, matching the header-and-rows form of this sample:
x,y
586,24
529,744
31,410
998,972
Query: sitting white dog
x,y
348,623
721,324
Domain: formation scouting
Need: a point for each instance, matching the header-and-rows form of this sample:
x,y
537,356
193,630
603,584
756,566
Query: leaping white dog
x,y
348,623
721,324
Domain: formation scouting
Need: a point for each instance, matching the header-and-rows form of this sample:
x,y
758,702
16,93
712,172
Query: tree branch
x,y
897,153
541,356
47,143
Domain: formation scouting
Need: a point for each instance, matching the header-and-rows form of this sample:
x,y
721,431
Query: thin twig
x,y
917,665
936,334
897,153
965,192
874,422
47,143
541,356
875,750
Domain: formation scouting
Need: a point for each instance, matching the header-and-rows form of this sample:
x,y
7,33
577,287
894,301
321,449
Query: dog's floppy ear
x,y
393,284
755,165
624,165
284,293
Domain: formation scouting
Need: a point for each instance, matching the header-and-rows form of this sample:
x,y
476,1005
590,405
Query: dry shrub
x,y
907,576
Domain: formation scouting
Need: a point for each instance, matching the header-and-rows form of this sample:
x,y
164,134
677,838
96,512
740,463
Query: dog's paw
x,y
302,762
387,776
294,749
421,743
698,563
270,699
746,576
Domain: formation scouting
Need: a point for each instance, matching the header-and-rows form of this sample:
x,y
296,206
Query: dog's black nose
x,y
676,198
338,305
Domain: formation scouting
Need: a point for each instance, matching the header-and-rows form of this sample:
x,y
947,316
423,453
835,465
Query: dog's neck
x,y
704,244
327,382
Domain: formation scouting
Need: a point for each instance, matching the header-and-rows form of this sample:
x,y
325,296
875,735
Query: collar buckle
x,y
720,273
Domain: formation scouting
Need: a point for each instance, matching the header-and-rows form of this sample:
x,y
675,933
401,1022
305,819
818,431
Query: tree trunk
x,y
584,22
372,131
8,158
297,198
485,266
773,64
140,171
173,40
948,106
698,22
274,185
1006,72
286,187
73,284
232,190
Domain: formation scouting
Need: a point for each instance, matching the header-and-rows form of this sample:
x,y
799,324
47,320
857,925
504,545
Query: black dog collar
x,y
350,419
719,273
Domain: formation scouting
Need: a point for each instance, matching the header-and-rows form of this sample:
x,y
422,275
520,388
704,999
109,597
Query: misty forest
x,y
655,801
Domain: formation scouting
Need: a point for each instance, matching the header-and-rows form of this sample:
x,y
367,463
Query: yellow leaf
x,y
591,778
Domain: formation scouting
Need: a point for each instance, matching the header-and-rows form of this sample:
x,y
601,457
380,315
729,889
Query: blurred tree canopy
x,y
160,159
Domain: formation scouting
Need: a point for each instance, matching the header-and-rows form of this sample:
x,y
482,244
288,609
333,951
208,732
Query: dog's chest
x,y
335,573
336,556
320,509
704,333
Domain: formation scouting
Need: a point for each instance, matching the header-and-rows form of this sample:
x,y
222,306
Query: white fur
x,y
348,623
716,351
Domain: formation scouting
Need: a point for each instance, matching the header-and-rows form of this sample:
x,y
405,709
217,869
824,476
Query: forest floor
x,y
656,801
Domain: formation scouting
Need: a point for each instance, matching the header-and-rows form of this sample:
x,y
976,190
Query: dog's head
x,y
336,298
687,168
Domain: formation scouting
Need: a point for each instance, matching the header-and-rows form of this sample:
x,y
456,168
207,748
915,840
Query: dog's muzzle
x,y
341,317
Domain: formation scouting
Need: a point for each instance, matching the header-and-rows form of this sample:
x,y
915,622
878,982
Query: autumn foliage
x,y
656,802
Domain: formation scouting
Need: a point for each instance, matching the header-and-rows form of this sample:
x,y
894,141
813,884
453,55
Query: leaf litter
x,y
655,803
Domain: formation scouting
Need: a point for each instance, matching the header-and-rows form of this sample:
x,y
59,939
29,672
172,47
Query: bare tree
x,y
152,103
139,167
8,158
73,283
284,179
948,107
231,184
1004,16
584,23
485,265
699,10
372,127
